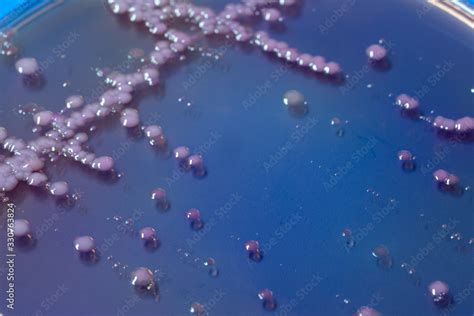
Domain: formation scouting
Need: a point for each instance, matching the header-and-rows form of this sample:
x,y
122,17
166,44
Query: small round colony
x,y
404,155
439,292
37,179
266,296
383,256
376,52
151,76
407,159
271,15
452,180
43,118
197,309
84,244
159,195
317,64
464,124
142,279
295,102
8,181
59,188
196,163
104,163
444,124
253,250
445,179
194,216
367,311
27,66
130,118
304,60
148,235
332,69
155,135
347,234
74,101
22,228
293,98
407,103
181,154
440,175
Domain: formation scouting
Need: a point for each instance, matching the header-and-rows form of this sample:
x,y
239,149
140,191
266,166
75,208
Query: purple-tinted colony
x,y
440,175
266,296
293,98
43,118
27,66
196,163
346,232
443,177
271,15
405,155
193,214
332,68
181,153
380,251
407,159
142,279
317,64
84,244
148,234
81,138
439,292
367,311
197,309
151,76
253,250
74,102
252,246
376,52
8,181
194,217
158,194
60,188
7,48
349,238
37,179
406,102
103,163
130,118
155,135
451,180
22,228
384,259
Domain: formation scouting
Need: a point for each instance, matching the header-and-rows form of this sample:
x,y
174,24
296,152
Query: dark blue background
x,y
423,39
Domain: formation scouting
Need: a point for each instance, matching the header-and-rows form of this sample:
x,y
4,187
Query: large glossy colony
x,y
65,134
